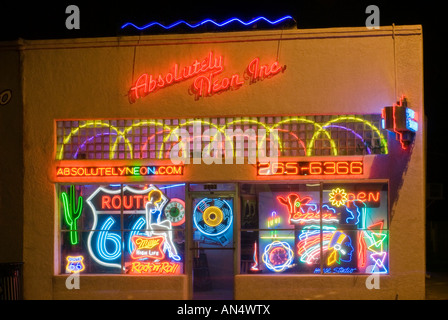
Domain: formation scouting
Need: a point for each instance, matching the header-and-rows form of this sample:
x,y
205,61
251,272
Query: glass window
x,y
328,228
122,229
312,135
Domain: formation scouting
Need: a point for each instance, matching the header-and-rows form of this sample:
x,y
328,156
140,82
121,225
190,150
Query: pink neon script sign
x,y
147,84
205,73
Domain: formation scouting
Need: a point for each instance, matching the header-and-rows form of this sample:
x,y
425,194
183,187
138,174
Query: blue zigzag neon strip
x,y
206,21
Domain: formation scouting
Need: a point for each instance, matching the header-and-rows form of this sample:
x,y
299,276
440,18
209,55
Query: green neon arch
x,y
352,118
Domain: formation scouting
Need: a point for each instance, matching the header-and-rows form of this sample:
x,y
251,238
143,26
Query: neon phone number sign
x,y
302,168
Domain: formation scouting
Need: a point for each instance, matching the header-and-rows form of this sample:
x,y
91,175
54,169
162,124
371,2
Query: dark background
x,y
46,20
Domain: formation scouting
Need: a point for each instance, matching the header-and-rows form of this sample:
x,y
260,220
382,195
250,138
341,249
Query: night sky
x,y
45,20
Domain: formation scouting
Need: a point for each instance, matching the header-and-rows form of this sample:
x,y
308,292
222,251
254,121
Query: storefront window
x,y
314,228
122,229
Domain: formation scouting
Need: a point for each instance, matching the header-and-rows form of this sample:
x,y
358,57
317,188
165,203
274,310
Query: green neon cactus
x,y
72,212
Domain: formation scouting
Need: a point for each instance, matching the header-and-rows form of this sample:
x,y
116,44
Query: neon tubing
x,y
220,231
105,235
89,140
138,225
349,130
72,212
350,118
193,26
121,135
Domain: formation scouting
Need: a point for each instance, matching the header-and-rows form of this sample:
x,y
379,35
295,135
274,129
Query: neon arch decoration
x,y
124,136
350,118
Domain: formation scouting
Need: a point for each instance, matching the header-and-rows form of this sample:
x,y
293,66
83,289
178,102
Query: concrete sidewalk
x,y
437,286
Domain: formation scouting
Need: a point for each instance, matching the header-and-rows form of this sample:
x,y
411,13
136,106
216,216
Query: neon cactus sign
x,y
72,212
204,72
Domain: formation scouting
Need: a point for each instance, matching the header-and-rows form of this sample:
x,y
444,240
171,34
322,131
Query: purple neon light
x,y
75,156
347,129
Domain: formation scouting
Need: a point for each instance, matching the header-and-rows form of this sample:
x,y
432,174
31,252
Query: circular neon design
x,y
338,197
175,211
278,256
212,216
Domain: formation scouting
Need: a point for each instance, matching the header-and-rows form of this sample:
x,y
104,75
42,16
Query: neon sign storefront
x,y
128,229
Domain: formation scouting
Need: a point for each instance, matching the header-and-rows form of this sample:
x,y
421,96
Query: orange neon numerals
x,y
310,168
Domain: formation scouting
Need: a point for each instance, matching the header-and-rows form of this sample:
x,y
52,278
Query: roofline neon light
x,y
193,26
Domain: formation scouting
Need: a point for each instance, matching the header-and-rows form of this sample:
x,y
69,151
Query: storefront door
x,y
213,246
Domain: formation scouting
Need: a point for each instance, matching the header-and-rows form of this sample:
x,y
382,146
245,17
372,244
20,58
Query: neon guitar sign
x,y
204,72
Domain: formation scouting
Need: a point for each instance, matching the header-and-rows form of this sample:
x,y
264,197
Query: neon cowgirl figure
x,y
160,228
340,248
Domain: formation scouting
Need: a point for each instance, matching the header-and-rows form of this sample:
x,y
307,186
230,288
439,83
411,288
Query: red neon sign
x,y
129,202
292,168
139,267
148,247
206,86
204,71
147,84
300,210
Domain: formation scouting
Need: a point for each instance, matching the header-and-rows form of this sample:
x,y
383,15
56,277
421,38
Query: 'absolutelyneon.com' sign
x,y
167,170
